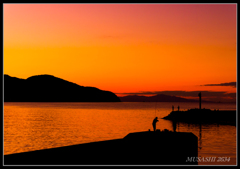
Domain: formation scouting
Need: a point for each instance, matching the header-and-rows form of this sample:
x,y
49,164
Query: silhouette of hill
x,y
47,88
156,98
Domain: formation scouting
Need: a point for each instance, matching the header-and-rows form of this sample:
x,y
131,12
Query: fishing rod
x,y
156,106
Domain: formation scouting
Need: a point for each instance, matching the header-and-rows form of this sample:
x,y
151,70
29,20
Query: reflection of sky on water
x,y
213,140
33,126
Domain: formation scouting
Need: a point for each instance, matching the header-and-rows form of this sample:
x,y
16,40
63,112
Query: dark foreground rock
x,y
141,148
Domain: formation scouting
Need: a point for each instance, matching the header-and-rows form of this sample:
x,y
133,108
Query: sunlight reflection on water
x,y
34,126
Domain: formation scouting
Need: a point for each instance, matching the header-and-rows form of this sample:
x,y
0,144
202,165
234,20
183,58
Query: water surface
x,y
35,126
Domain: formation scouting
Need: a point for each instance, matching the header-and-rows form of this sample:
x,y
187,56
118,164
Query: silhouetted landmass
x,y
156,98
47,88
141,148
204,116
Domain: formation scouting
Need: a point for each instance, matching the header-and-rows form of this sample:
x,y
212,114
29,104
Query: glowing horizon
x,y
124,48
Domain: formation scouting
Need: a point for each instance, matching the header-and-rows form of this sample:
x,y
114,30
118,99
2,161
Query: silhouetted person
x,y
172,108
178,108
154,123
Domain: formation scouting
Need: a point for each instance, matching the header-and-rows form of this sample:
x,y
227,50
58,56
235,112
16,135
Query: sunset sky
x,y
124,48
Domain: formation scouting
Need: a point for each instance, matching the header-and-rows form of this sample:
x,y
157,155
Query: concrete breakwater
x,y
140,148
227,117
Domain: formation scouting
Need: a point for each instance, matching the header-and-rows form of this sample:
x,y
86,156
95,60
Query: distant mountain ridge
x,y
48,88
156,98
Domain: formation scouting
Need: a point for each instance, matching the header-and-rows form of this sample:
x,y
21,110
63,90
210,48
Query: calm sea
x,y
35,126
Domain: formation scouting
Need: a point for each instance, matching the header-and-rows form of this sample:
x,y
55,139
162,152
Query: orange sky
x,y
123,47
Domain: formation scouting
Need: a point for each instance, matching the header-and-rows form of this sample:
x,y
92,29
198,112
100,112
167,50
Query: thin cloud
x,y
233,84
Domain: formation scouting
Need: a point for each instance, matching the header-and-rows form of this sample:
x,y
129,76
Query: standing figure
x,y
154,123
178,108
172,108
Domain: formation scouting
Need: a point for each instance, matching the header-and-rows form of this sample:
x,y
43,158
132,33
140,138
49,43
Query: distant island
x,y
48,88
155,98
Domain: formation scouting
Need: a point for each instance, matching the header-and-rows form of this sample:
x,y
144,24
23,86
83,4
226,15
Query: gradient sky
x,y
124,48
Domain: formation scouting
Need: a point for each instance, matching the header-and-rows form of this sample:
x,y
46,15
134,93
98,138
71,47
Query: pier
x,y
140,148
203,116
